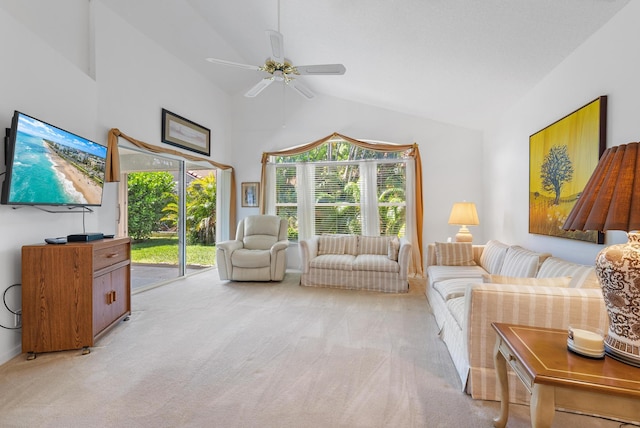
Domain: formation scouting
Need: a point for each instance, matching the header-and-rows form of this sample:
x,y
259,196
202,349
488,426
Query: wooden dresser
x,y
73,293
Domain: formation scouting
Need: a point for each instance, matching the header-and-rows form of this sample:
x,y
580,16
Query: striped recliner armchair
x,y
259,252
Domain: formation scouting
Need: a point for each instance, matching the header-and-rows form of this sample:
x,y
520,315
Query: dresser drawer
x,y
517,366
104,257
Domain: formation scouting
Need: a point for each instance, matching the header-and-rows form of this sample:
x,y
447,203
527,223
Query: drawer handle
x,y
112,255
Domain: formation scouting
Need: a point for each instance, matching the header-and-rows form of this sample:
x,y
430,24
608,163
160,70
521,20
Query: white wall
x,y
42,77
45,19
451,156
137,78
606,64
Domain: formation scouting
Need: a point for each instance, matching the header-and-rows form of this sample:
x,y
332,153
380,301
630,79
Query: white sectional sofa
x,y
378,263
469,287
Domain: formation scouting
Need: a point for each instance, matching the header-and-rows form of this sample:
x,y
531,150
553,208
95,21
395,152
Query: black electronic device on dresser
x,y
84,237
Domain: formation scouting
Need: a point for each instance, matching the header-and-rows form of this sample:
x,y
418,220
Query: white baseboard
x,y
10,353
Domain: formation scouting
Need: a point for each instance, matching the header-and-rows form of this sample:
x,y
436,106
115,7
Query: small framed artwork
x,y
183,133
250,194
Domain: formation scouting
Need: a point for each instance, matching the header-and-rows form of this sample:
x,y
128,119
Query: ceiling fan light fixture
x,y
273,67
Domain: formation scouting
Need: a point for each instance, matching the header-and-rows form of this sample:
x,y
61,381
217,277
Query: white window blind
x,y
354,197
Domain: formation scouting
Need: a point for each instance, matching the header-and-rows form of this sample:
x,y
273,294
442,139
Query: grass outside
x,y
164,250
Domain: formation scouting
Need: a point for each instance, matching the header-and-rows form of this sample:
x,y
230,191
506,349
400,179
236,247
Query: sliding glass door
x,y
167,207
200,217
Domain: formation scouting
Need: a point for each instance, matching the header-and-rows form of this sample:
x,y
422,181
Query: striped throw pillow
x,y
493,256
350,244
328,244
454,254
522,262
393,248
374,245
583,276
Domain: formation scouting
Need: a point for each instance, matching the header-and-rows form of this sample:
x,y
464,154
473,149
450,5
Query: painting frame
x,y
181,132
250,194
562,157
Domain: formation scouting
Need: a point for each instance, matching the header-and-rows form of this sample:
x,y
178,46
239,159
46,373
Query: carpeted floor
x,y
203,353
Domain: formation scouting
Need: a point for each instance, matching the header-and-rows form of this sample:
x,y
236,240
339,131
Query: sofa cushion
x,y
441,273
245,258
259,242
522,262
453,288
373,245
375,263
393,248
586,279
458,309
350,244
582,276
333,261
262,225
560,281
260,232
330,244
454,254
492,256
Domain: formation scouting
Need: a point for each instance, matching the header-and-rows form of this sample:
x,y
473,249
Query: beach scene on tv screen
x,y
52,166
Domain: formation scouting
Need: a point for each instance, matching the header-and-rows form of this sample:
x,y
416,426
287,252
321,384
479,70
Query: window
x,y
340,188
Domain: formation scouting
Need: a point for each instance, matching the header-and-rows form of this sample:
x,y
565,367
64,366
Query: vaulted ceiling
x,y
462,62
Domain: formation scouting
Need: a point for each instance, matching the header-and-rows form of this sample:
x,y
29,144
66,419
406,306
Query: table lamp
x,y
611,201
464,214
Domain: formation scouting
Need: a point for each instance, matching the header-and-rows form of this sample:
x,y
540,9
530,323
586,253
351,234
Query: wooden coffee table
x,y
558,378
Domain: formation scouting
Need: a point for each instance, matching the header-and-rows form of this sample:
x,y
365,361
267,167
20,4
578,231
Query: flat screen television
x,y
46,165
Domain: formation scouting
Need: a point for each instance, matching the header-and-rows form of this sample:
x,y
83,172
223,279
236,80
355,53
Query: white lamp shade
x,y
464,214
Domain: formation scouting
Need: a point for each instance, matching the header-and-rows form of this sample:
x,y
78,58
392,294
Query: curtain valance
x,y
112,172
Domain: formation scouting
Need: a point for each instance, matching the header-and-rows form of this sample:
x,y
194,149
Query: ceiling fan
x,y
281,70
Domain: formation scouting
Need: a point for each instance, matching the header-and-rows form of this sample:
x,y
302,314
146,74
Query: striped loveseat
x,y
469,287
378,263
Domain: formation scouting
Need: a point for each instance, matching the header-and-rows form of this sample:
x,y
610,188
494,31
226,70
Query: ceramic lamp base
x,y
618,269
464,235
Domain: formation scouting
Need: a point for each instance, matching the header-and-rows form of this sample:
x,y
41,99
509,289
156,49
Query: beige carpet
x,y
201,353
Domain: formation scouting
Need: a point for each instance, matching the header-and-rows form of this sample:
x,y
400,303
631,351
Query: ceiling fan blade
x,y
321,69
233,64
301,89
275,42
259,87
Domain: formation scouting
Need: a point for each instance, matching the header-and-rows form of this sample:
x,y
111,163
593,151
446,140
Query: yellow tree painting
x,y
562,158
